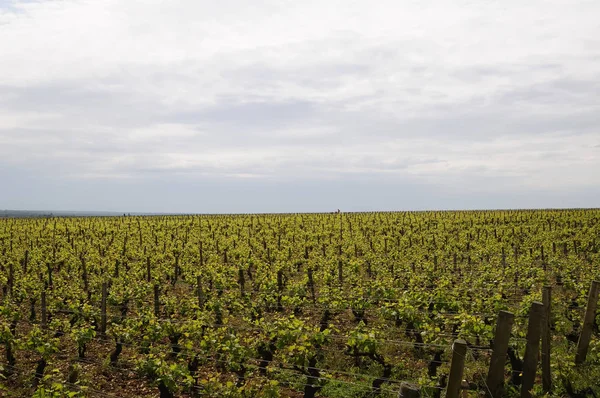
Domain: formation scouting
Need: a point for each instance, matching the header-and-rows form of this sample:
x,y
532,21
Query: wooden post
x,y
148,270
201,254
11,278
44,310
409,391
588,323
459,351
279,290
532,349
311,284
495,378
103,310
84,275
199,291
546,338
26,261
241,281
156,303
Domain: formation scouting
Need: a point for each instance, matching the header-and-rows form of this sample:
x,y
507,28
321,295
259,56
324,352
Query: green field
x,y
296,305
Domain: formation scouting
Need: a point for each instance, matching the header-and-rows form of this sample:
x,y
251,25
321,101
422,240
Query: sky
x,y
298,106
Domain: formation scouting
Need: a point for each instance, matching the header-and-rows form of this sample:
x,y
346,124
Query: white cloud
x,y
452,93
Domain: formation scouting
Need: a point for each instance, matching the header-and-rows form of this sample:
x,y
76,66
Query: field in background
x,y
330,305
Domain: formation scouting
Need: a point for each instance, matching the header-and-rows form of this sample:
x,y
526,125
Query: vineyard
x,y
432,304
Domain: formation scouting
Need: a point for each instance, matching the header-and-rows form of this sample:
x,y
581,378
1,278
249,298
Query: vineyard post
x,y
199,291
11,278
532,349
409,391
44,309
156,303
543,257
103,310
495,378
25,261
86,286
241,280
279,289
457,366
311,284
546,338
148,270
588,323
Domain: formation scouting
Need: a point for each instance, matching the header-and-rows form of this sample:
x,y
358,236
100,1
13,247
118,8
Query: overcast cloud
x,y
255,106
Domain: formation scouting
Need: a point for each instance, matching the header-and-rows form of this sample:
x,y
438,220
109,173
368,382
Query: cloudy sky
x,y
258,106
